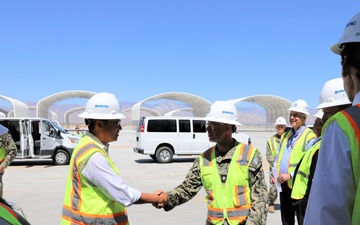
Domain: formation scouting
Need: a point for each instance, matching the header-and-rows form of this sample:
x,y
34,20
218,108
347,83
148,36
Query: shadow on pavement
x,y
175,160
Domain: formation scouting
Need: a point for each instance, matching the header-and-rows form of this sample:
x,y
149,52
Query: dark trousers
x,y
286,208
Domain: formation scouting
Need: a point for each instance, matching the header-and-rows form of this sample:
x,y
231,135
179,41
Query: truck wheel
x,y
164,155
61,157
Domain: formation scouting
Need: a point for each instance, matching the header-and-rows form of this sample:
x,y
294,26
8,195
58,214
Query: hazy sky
x,y
216,49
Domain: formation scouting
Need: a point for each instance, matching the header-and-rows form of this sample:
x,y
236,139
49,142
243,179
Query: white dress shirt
x,y
99,172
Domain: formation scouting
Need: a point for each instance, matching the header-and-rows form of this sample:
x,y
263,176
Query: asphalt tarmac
x,y
37,186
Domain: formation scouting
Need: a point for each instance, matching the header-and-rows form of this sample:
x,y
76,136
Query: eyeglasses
x,y
116,123
212,125
280,126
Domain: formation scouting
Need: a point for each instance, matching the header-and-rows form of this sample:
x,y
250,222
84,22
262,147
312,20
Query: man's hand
x,y
163,199
283,177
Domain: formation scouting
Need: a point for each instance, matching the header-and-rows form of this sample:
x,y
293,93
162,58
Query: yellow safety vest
x,y
297,152
8,214
274,144
302,177
232,200
2,153
84,203
349,121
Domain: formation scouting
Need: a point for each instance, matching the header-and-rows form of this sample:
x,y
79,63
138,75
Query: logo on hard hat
x,y
339,91
227,112
101,106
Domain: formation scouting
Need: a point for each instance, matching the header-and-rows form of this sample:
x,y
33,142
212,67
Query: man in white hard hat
x,y
230,172
271,154
338,166
304,171
291,148
333,98
95,194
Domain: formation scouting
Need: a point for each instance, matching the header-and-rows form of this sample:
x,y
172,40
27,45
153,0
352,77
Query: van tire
x,y
61,157
164,155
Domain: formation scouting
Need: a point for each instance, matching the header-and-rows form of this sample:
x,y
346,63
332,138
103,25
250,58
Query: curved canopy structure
x,y
43,105
20,109
151,111
200,105
275,106
178,110
67,113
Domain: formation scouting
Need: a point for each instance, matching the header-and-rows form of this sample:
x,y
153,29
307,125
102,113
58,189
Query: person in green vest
x,y
335,194
78,132
11,216
271,153
291,149
95,193
333,98
230,172
7,153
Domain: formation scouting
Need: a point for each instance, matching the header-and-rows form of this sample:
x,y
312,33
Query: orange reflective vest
x,y
232,200
85,203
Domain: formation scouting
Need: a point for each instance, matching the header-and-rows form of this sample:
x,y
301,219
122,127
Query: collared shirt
x,y
333,190
192,185
294,136
99,172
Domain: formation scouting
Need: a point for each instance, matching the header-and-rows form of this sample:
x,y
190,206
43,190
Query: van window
x,y
199,126
48,129
161,126
184,126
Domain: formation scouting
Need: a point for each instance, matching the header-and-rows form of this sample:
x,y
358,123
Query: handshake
x,y
161,199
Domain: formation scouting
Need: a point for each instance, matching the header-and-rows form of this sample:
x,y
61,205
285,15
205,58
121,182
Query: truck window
x,y
199,126
48,129
184,126
161,126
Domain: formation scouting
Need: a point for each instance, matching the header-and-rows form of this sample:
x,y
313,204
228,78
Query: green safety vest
x,y
8,214
297,152
349,122
84,203
232,200
2,153
302,177
274,144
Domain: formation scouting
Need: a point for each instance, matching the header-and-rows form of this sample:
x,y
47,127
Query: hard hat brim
x,y
219,120
101,117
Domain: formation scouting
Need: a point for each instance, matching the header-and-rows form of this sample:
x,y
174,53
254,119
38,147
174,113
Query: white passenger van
x,y
40,138
164,137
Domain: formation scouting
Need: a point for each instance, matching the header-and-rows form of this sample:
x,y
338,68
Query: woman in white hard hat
x,y
272,145
335,195
291,148
95,194
230,172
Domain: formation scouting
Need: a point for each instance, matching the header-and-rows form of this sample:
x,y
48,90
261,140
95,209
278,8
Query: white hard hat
x,y
351,34
103,106
319,114
300,106
280,121
333,94
223,112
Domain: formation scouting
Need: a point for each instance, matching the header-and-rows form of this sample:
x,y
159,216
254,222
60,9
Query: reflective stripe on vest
x,y
302,177
272,142
297,151
85,203
231,200
349,121
8,214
